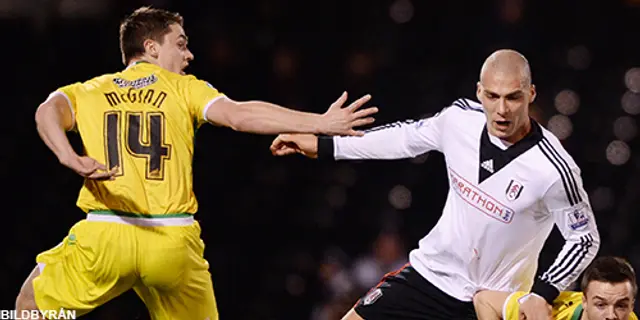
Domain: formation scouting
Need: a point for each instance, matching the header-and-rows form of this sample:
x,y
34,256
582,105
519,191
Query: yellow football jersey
x,y
567,306
141,121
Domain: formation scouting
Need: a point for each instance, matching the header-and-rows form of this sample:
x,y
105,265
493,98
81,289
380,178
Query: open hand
x,y
342,121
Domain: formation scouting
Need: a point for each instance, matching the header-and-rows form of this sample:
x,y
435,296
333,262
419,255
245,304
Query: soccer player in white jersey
x,y
510,181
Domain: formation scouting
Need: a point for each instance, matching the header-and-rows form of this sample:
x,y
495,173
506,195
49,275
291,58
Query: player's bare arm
x,y
267,118
488,304
53,118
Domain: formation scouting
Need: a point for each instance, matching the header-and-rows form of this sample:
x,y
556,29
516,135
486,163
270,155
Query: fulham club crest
x,y
514,190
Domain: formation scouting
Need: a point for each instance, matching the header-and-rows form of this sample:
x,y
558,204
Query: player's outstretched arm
x,y
53,119
397,140
267,118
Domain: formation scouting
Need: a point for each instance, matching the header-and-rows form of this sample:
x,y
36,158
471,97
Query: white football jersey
x,y
502,203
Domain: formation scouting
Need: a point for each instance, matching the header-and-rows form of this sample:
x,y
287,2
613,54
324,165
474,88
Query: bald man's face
x,y
505,97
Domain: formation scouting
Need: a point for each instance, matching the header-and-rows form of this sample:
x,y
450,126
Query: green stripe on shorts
x,y
140,215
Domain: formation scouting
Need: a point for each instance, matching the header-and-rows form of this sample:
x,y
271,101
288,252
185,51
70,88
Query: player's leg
x,y
176,283
192,300
488,304
352,315
26,300
94,264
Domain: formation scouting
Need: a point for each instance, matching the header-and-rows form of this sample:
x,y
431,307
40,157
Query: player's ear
x,y
533,93
584,299
478,90
151,47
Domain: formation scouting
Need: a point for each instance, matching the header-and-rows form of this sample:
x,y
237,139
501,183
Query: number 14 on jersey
x,y
143,137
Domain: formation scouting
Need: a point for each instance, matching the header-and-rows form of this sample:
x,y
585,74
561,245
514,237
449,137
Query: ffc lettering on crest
x,y
514,190
480,199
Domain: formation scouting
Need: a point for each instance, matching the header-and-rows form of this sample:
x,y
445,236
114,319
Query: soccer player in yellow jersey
x,y
137,127
608,292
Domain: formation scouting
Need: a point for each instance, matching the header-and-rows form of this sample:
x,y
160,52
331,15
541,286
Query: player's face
x,y
173,53
608,301
506,104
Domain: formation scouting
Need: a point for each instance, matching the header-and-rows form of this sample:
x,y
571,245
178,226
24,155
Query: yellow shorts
x,y
106,254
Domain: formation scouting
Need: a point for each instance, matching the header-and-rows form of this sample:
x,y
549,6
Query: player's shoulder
x,y
554,152
462,111
633,316
552,142
566,305
466,107
89,85
192,82
567,299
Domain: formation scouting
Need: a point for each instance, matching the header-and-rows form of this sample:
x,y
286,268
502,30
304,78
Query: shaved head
x,y
507,62
505,91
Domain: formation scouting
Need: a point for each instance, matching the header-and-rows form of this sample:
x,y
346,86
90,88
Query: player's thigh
x,y
195,299
352,315
26,299
176,283
92,265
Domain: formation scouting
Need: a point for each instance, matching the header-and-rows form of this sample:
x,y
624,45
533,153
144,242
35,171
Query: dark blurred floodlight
x,y
567,102
295,285
400,197
401,11
632,79
336,197
561,126
361,64
72,9
579,57
631,103
618,152
602,198
625,128
345,175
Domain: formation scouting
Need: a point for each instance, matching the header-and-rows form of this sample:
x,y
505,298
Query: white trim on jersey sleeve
x,y
398,140
73,114
204,112
568,203
505,305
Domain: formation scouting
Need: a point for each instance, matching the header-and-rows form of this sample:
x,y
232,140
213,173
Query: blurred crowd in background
x,y
293,238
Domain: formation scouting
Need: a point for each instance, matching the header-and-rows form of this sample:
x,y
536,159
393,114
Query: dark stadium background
x,y
283,233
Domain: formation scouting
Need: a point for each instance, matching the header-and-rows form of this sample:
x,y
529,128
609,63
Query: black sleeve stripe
x,y
464,105
573,254
459,104
390,125
563,162
576,250
583,255
565,180
545,276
